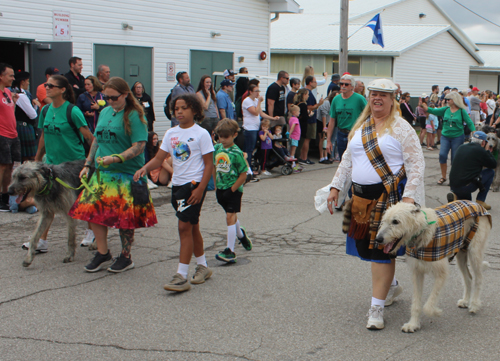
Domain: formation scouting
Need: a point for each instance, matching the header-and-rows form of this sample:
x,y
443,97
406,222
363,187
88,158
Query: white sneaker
x,y
151,185
375,318
169,185
266,172
88,239
394,292
42,247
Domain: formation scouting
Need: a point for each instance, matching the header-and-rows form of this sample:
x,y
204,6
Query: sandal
x,y
441,181
430,148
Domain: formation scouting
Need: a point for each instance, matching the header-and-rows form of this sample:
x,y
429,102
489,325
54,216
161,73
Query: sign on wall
x,y
62,25
170,71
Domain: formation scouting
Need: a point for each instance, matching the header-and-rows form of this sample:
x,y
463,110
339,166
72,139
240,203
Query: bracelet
x,y
119,156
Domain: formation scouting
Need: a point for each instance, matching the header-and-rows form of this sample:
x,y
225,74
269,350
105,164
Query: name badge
x,y
145,104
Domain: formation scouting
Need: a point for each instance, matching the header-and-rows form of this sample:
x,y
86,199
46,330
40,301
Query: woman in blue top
x,y
88,101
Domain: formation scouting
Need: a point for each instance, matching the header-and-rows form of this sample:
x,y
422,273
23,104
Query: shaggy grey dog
x,y
405,224
38,180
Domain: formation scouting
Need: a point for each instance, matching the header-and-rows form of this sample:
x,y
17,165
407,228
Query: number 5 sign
x,y
61,25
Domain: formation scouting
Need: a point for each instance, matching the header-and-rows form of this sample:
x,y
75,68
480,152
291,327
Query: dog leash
x,y
422,231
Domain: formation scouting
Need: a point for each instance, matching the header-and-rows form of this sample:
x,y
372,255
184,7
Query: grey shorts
x,y
10,150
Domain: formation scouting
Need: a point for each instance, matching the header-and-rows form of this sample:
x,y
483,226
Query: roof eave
x,y
335,52
284,6
470,50
485,69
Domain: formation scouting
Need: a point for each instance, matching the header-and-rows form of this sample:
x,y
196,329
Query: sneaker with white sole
x,y
88,239
375,318
151,185
121,264
394,292
201,273
98,261
42,247
266,172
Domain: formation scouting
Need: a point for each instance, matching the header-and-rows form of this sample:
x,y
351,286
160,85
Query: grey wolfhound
x,y
432,237
38,180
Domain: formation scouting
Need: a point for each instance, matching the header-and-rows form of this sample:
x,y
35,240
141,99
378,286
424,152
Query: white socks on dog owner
x,y
377,302
201,260
231,237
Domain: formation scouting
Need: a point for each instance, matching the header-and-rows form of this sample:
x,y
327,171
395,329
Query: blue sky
x,y
477,29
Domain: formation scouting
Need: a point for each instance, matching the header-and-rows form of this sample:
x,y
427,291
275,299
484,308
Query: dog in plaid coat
x,y
432,237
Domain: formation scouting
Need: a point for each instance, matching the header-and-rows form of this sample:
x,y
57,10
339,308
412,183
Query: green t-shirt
x,y
229,164
112,139
61,142
453,122
346,111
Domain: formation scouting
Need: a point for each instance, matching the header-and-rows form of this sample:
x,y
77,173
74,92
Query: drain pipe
x,y
276,17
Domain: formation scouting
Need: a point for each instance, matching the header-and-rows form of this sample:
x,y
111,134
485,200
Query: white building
x,y
147,41
423,46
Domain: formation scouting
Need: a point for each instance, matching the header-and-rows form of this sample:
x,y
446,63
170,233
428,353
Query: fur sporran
x,y
346,222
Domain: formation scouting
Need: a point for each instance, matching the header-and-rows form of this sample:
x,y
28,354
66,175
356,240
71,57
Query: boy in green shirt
x,y
230,175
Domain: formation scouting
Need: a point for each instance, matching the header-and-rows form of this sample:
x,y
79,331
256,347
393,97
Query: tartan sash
x,y
390,196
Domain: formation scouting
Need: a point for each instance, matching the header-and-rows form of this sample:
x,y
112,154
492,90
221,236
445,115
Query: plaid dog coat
x,y
450,234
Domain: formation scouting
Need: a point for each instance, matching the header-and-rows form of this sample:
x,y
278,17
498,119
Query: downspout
x,y
276,17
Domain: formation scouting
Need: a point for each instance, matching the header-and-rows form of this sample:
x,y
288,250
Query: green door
x,y
206,62
132,63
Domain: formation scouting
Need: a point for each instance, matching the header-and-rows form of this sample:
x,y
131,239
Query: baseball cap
x,y
475,89
382,85
479,135
226,82
228,72
446,88
52,71
335,77
424,95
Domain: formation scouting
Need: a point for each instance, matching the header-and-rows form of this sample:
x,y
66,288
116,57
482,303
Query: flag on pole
x,y
376,25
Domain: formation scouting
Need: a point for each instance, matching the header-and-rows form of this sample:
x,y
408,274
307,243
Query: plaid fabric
x,y
450,234
26,134
390,181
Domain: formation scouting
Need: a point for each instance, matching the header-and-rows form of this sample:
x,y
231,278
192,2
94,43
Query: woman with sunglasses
x,y
58,142
116,201
452,136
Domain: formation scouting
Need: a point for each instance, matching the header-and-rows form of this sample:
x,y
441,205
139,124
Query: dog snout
x,y
11,191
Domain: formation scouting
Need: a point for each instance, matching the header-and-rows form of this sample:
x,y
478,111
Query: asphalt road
x,y
295,296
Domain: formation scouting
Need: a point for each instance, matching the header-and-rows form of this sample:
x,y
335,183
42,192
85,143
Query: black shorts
x,y
10,150
229,200
186,212
421,121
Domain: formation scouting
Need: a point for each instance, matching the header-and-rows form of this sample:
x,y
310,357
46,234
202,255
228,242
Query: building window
x,y
376,66
295,64
282,62
353,65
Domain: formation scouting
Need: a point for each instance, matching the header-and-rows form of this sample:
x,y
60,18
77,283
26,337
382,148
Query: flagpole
x,y
344,22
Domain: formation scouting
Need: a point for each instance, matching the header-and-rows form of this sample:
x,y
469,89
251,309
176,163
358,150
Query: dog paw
x,y
474,307
410,327
462,303
68,259
432,311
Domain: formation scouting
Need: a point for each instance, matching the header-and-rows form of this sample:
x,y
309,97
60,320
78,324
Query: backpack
x,y
166,106
69,109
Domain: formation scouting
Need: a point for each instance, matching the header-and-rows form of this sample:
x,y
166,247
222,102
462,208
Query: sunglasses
x,y
50,86
7,97
286,78
111,97
344,84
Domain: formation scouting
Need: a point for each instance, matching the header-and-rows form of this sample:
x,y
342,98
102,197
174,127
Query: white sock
x,y
377,302
249,171
293,164
183,270
201,260
231,237
239,232
42,241
394,281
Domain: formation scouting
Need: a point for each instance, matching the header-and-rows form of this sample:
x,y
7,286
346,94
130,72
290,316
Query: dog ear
x,y
416,210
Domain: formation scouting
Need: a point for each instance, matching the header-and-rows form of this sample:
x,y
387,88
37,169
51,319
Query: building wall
x,y
440,60
485,80
170,27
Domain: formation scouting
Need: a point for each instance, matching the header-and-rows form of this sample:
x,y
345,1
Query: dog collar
x,y
48,186
410,243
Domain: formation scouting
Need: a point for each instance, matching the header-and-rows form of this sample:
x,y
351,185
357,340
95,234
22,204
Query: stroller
x,y
274,159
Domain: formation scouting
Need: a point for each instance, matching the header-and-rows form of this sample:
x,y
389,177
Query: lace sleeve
x,y
413,158
344,171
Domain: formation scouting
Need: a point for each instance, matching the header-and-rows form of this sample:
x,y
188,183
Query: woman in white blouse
x,y
379,130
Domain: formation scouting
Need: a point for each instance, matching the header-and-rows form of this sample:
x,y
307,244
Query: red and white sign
x,y
61,25
170,71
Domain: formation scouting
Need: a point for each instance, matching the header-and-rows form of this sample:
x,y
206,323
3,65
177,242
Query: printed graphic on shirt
x,y
344,115
52,129
181,150
106,136
223,163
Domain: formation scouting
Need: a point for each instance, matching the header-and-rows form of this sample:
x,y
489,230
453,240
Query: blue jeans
x,y
447,144
465,191
250,142
342,139
334,142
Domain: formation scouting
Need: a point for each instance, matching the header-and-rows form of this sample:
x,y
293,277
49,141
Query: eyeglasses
x,y
344,84
286,78
111,97
7,97
50,86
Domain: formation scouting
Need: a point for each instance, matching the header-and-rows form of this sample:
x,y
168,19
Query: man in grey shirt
x,y
183,86
474,106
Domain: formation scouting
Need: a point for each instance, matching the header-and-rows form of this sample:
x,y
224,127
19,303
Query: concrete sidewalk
x,y
295,296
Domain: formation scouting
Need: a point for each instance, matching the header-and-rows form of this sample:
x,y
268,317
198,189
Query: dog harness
x,y
450,234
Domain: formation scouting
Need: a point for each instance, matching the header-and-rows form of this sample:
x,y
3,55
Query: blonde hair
x,y
265,122
299,97
294,108
457,99
308,71
368,111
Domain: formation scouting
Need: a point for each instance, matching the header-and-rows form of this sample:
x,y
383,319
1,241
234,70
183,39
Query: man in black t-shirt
x,y
74,76
295,84
275,99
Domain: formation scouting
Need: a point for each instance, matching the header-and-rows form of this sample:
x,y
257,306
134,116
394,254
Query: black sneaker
x,y
227,256
4,207
245,240
97,263
308,161
121,264
302,161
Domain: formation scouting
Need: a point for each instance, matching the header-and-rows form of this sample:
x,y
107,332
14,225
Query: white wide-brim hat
x,y
382,85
